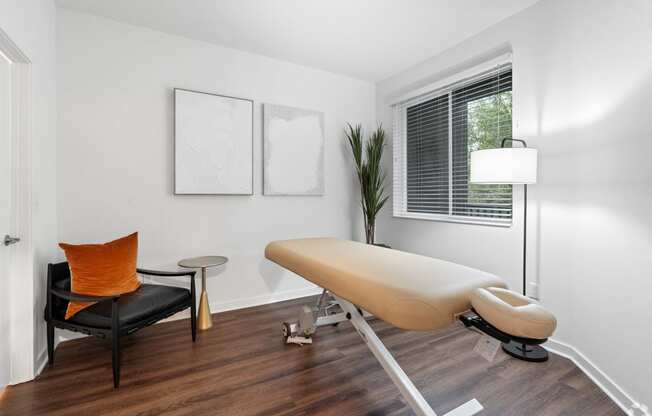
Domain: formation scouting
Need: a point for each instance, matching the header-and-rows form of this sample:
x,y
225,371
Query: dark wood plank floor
x,y
242,367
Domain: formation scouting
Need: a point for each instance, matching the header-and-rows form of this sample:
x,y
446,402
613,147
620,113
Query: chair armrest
x,y
64,294
190,273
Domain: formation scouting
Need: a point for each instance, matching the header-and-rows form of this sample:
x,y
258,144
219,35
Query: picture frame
x,y
213,144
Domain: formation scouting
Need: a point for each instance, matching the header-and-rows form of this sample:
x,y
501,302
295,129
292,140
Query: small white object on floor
x,y
469,408
487,347
299,340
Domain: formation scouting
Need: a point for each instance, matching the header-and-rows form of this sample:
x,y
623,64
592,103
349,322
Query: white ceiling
x,y
367,39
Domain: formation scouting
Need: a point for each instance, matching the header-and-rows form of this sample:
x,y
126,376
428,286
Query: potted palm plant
x,y
367,157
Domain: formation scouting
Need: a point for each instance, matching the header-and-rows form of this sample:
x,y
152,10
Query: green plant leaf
x,y
370,173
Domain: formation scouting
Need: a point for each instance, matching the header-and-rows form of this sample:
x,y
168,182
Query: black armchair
x,y
115,316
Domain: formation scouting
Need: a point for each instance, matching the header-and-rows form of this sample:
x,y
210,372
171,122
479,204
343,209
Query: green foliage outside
x,y
489,122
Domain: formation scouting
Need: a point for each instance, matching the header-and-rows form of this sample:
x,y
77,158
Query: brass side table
x,y
204,319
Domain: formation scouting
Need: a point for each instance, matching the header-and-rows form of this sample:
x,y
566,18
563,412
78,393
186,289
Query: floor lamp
x,y
514,166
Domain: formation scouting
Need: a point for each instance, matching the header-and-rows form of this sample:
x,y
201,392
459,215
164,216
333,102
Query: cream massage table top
x,y
407,290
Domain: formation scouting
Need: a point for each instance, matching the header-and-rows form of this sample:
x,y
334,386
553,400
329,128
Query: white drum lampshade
x,y
506,165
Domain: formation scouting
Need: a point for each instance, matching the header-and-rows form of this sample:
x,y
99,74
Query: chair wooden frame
x,y
115,331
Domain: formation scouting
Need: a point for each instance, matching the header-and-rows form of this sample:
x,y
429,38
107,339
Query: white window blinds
x,y
433,137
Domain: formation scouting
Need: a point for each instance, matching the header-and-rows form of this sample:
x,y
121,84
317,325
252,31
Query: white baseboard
x,y
253,301
264,299
602,380
41,361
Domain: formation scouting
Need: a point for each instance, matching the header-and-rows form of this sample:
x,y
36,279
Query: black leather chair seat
x,y
133,307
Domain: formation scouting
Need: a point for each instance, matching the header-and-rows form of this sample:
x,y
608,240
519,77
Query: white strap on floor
x,y
395,372
471,407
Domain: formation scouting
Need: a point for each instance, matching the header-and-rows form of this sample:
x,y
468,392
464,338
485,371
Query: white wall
x,y
115,154
583,93
31,26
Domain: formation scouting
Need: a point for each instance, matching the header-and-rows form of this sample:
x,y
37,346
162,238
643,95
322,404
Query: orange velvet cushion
x,y
102,269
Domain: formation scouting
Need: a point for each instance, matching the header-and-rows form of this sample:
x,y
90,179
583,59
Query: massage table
x,y
411,292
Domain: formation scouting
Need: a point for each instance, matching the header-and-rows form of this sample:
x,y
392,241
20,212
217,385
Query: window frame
x,y
443,87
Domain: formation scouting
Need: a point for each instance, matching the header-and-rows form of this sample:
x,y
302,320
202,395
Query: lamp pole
x,y
525,239
502,144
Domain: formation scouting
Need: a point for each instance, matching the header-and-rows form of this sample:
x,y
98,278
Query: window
x,y
434,135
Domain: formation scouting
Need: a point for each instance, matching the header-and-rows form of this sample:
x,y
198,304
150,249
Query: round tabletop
x,y
204,261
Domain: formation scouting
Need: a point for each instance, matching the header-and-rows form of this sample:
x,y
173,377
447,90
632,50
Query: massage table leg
x,y
326,319
336,318
331,319
311,318
395,372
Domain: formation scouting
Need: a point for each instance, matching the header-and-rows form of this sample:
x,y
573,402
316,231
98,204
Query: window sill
x,y
455,219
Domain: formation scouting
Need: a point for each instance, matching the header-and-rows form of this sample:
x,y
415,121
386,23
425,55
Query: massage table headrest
x,y
512,313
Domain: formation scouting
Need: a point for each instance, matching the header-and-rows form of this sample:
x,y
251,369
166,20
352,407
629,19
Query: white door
x,y
6,226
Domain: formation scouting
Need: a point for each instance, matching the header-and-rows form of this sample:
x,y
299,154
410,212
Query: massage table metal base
x,y
525,352
525,349
356,316
310,318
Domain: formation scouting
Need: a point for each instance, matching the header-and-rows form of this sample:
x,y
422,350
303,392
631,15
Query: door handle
x,y
9,240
